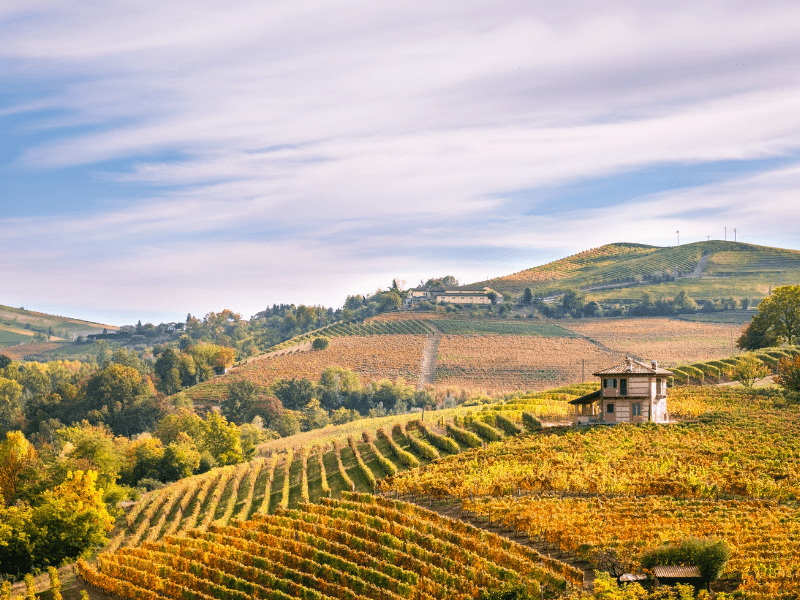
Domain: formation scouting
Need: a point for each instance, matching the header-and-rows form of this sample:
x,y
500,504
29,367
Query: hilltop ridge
x,y
751,269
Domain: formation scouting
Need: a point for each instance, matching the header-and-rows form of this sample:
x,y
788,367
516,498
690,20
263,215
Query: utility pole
x,y
583,371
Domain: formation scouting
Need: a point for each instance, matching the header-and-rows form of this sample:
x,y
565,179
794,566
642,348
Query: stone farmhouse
x,y
632,392
455,295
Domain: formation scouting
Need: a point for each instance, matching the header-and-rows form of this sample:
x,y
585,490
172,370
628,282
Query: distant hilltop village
x,y
454,295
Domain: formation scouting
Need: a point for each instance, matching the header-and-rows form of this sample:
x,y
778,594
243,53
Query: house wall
x,y
660,410
622,409
638,386
464,299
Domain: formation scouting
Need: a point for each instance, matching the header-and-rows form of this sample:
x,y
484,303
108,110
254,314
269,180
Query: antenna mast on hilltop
x,y
734,234
726,234
679,237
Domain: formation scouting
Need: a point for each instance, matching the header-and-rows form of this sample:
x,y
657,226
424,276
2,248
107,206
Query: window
x,y
609,383
636,409
623,387
610,408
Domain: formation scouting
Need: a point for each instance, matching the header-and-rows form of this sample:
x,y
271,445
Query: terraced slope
x,y
373,357
360,547
748,269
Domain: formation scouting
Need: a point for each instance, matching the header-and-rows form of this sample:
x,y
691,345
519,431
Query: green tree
x,y
778,318
187,370
143,460
114,384
90,447
339,379
287,424
166,367
390,301
183,420
240,401
4,361
181,458
294,394
748,369
221,439
442,282
572,301
527,297
683,303
11,403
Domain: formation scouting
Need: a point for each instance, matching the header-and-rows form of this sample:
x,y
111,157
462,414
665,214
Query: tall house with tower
x,y
633,392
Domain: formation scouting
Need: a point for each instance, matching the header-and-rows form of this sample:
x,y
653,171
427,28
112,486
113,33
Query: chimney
x,y
655,365
629,363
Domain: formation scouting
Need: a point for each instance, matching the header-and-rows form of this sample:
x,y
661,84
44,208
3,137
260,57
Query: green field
x,y
9,338
734,317
469,327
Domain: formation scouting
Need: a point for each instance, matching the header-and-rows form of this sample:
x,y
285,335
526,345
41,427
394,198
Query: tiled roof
x,y
588,398
676,572
634,367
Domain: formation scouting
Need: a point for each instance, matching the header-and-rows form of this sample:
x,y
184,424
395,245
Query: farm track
x,y
701,265
428,366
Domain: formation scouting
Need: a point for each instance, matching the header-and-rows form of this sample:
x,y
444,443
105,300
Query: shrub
x,y
748,370
320,343
789,373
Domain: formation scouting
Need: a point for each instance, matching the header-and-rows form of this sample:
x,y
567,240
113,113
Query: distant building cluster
x,y
454,295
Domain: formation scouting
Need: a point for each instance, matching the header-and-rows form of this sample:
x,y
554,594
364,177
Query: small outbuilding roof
x,y
588,398
634,367
662,571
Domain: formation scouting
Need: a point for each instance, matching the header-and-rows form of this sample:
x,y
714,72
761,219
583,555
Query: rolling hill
x,y
25,332
622,271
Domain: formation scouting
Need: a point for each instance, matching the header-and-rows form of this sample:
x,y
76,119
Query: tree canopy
x,y
778,320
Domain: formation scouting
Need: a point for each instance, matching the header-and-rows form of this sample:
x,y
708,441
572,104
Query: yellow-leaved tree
x,y
81,493
16,455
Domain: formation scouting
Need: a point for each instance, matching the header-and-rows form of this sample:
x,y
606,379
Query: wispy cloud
x,y
289,151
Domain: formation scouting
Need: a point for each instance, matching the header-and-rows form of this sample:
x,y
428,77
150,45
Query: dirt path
x,y
701,264
428,366
454,511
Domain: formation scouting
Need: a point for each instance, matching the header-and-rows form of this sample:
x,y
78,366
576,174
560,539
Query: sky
x,y
165,157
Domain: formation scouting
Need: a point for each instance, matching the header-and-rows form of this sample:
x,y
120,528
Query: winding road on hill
x,y
428,366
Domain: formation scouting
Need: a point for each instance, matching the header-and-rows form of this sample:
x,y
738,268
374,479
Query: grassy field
x,y
9,338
